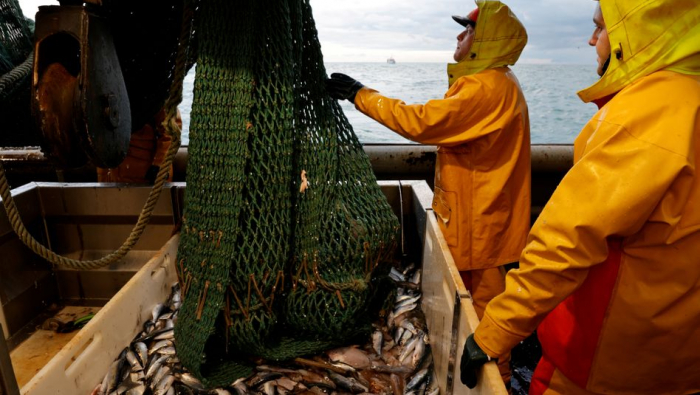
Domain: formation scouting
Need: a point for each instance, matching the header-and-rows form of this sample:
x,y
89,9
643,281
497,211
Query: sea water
x,y
556,113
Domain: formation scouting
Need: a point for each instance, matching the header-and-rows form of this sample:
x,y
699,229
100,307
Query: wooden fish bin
x,y
87,221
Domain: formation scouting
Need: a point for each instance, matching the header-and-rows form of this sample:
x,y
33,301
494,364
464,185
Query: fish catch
x,y
395,360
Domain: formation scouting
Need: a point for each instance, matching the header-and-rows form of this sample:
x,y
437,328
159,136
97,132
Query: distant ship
x,y
391,60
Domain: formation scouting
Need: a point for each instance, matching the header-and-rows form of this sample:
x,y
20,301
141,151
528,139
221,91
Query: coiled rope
x,y
172,129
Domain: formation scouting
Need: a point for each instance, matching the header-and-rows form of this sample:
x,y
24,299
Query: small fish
x,y
109,383
390,369
405,338
352,356
240,387
262,378
221,391
142,351
164,385
408,301
417,379
155,365
418,353
404,309
138,390
162,372
408,268
269,388
159,345
167,351
168,334
408,350
286,383
157,311
377,339
396,275
134,361
190,381
348,383
416,277
406,324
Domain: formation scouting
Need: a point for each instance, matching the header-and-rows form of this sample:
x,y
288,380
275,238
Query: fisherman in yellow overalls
x,y
610,277
482,130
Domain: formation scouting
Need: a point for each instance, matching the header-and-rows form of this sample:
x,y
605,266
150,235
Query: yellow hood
x,y
498,41
647,36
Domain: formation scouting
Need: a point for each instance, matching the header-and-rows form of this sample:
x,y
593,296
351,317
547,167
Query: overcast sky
x,y
423,31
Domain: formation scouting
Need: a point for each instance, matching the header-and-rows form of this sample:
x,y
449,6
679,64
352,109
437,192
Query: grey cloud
x,y
557,29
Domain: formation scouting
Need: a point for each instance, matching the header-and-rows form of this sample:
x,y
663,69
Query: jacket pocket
x,y
445,206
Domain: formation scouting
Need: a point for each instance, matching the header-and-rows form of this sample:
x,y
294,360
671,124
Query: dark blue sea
x,y
556,113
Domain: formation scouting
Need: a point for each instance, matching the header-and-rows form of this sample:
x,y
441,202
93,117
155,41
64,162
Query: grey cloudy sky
x,y
422,30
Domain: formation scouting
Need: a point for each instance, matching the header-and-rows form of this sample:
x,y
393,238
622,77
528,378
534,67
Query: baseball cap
x,y
469,20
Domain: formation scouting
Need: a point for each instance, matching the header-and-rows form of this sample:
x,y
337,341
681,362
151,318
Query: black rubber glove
x,y
472,359
151,174
342,87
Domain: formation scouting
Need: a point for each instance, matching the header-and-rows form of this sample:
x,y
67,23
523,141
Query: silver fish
x,y
416,277
190,381
396,275
377,338
134,361
269,388
164,385
167,351
157,311
418,353
159,345
348,383
168,334
138,390
408,350
109,383
240,387
162,372
417,379
155,365
142,351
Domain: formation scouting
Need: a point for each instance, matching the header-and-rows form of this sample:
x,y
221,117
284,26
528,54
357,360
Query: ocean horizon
x,y
556,113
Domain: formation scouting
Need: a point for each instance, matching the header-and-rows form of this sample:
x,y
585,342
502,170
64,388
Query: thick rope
x,y
172,128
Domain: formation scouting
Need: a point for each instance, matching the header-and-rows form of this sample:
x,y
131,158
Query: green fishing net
x,y
284,224
15,76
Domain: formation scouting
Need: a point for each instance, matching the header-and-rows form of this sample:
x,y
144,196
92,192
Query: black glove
x,y
472,359
342,87
151,174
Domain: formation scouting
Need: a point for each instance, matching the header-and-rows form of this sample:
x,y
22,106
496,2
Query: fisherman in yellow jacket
x,y
482,130
610,277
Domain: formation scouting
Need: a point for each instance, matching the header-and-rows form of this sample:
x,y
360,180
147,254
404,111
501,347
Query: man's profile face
x,y
464,43
600,40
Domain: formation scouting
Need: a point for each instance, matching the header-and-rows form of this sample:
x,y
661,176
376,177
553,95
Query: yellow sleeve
x,y
471,109
610,192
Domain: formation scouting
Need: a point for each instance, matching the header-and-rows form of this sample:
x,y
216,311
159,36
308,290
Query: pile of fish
x,y
396,360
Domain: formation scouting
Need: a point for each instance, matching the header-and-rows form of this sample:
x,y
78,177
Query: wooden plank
x,y
80,366
450,317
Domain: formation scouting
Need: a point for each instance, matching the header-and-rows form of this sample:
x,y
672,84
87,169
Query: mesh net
x,y
284,223
15,76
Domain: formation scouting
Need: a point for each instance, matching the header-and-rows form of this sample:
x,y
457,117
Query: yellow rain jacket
x,y
482,129
611,271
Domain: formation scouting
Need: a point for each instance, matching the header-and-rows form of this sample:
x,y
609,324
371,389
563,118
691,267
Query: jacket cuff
x,y
494,340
